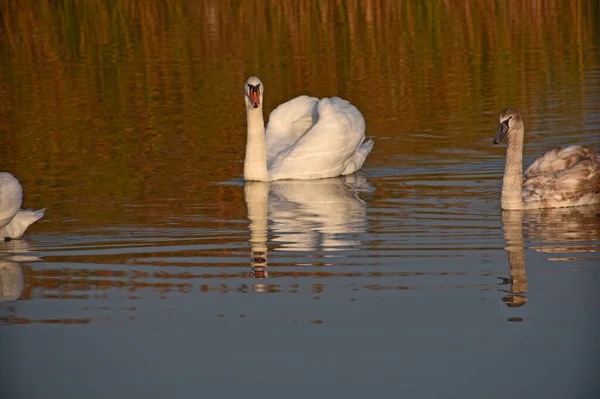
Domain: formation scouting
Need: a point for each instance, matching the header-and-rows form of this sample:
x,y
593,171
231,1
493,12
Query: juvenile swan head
x,y
254,92
510,120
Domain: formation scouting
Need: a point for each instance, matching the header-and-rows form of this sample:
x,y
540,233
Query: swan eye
x,y
506,121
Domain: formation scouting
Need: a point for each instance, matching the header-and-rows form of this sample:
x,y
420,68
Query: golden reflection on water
x,y
556,227
125,118
570,233
139,99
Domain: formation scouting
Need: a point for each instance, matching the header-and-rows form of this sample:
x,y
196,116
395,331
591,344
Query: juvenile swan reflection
x,y
565,231
562,232
512,224
304,215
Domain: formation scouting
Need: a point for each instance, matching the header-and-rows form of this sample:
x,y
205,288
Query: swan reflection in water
x,y
556,231
565,231
512,224
304,215
12,277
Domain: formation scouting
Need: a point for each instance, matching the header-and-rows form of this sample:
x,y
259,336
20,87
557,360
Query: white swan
x,y
563,177
11,195
14,221
306,138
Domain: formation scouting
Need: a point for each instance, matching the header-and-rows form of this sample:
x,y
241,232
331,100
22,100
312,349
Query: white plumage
x,y
14,221
22,220
11,196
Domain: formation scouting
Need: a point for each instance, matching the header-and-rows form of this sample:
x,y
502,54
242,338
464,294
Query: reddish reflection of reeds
x,y
138,99
87,284
110,104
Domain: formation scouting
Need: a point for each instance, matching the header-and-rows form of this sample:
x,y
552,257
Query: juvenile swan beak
x,y
502,130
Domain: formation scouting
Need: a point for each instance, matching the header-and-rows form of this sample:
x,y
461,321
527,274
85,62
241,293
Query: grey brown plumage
x,y
563,177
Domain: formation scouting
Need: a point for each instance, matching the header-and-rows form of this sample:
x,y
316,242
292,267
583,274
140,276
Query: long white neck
x,y
512,184
255,164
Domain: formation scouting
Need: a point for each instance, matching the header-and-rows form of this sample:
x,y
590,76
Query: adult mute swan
x,y
563,177
14,221
306,138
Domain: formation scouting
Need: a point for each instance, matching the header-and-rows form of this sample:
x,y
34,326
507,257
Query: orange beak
x,y
255,96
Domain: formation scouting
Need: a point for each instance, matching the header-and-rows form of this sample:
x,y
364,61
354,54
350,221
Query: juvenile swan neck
x,y
255,164
512,184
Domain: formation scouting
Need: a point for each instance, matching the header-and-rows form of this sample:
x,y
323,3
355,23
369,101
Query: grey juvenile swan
x,y
563,177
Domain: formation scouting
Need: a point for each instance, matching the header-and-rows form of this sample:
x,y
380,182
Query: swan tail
x,y
11,196
22,220
357,161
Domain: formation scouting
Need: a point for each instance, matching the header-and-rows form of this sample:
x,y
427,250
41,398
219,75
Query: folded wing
x,y
288,122
327,148
569,174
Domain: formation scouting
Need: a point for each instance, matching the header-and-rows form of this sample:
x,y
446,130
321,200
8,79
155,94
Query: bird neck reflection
x,y
512,224
256,194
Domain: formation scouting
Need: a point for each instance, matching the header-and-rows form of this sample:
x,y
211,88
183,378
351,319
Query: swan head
x,y
510,119
254,92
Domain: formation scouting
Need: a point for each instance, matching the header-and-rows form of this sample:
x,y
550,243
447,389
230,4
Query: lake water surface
x,y
157,272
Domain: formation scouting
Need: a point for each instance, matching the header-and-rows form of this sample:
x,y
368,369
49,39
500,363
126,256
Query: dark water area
x,y
158,272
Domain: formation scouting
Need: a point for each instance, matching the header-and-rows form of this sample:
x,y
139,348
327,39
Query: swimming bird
x,y
563,177
306,138
14,221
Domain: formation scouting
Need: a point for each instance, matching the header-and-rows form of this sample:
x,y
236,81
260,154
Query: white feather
x,y
11,196
22,220
14,221
327,148
288,122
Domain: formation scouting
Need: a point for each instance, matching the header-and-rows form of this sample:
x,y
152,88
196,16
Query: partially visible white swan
x,y
14,221
11,196
563,177
306,138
